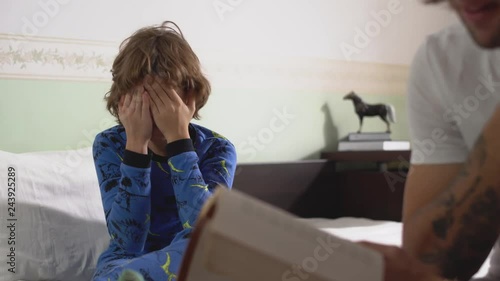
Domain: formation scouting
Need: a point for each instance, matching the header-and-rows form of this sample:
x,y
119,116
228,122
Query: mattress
x,y
382,232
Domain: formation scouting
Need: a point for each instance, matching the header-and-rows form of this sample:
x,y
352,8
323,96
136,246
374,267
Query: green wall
x,y
40,115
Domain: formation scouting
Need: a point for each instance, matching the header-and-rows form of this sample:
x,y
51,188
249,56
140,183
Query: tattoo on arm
x,y
476,234
442,225
475,229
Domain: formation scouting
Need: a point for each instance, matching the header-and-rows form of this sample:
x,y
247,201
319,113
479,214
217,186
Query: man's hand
x,y
135,115
170,113
401,266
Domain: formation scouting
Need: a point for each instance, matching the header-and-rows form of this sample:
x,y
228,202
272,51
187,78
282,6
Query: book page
x,y
194,264
279,235
234,261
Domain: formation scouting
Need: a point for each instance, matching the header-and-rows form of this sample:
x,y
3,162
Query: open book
x,y
239,238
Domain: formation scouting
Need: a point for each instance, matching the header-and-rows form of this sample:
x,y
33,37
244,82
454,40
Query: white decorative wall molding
x,y
23,57
305,74
55,58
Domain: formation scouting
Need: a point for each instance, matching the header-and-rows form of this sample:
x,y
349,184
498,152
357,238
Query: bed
x,y
53,226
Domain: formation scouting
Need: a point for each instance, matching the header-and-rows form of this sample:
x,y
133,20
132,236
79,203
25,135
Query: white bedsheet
x,y
382,232
60,229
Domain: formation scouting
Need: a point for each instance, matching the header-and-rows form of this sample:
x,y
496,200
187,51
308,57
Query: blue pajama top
x,y
148,199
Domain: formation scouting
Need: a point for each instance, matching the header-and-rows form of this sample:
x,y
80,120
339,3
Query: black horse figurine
x,y
385,111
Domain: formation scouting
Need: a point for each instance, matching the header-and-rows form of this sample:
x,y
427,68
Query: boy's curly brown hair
x,y
163,52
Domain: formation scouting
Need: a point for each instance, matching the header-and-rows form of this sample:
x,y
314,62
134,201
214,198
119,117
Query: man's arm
x,y
423,184
456,231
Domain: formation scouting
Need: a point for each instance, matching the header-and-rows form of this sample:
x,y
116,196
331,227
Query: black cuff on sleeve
x,y
179,146
135,159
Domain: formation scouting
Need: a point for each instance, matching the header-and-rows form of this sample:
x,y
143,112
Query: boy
x,y
156,169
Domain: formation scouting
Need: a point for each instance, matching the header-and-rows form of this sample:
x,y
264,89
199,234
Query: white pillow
x,y
60,229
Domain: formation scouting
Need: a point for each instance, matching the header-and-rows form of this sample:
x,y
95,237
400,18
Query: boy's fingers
x,y
153,95
170,93
137,103
140,89
132,104
138,98
145,103
152,103
120,102
191,105
128,100
162,94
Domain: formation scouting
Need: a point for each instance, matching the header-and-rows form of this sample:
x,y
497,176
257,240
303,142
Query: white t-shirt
x,y
454,88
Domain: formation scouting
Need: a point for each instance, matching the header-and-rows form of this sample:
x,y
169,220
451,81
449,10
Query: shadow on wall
x,y
330,133
330,130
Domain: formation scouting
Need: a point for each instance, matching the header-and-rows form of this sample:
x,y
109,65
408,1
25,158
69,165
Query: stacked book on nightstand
x,y
371,141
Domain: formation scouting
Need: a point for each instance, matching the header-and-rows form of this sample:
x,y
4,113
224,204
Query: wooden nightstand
x,y
374,193
383,159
